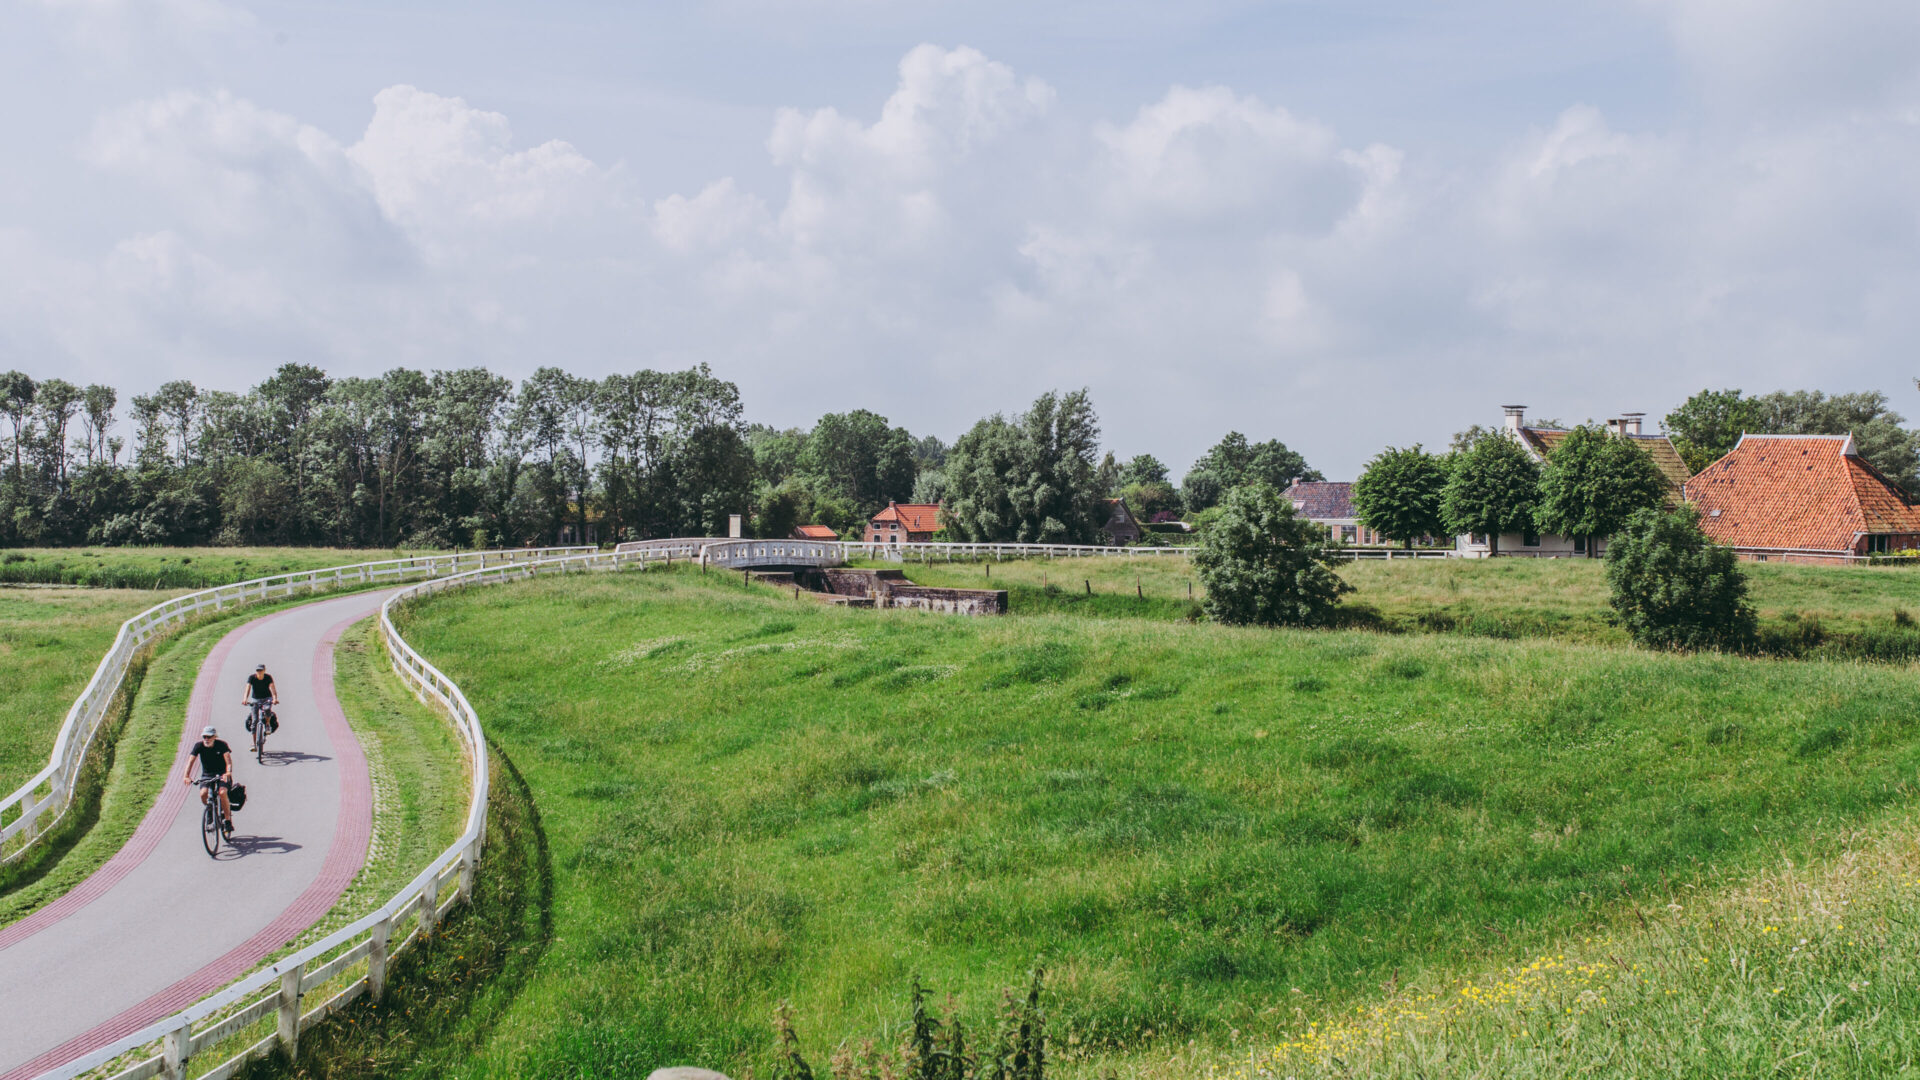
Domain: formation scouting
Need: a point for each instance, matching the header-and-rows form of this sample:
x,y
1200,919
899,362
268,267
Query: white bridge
x,y
746,554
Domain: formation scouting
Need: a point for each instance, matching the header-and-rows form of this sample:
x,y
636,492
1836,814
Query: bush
x,y
1262,565
1018,1050
1675,590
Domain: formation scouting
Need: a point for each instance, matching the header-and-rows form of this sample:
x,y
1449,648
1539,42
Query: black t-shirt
x,y
260,686
213,759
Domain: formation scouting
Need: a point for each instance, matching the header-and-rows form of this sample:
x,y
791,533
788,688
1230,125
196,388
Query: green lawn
x,y
171,568
750,798
50,642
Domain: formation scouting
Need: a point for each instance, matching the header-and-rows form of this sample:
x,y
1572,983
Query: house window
x,y
1579,545
1347,534
1477,538
1530,539
1877,544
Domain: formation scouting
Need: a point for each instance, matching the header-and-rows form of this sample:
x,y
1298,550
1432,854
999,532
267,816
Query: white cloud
x,y
960,244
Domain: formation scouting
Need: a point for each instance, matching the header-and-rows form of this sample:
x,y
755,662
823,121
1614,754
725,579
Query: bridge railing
x,y
743,553
36,806
354,960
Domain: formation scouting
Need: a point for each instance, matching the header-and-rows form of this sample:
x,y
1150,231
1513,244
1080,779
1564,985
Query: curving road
x,y
161,925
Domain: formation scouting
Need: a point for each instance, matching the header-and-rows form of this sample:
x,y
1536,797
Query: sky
x,y
1345,224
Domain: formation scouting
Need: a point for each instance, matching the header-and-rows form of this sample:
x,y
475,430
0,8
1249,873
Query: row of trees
x,y
1591,484
443,459
454,458
1710,423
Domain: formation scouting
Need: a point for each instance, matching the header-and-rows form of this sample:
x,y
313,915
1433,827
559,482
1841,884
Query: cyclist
x,y
261,692
215,759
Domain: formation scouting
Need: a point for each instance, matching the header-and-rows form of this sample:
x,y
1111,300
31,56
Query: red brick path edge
x,y
352,830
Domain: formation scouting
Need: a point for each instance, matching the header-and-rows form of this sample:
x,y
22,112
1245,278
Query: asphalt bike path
x,y
161,925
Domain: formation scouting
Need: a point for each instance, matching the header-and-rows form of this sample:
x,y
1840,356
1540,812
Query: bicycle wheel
x,y
210,824
260,739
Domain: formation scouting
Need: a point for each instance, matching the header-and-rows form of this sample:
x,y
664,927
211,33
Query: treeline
x,y
466,458
448,459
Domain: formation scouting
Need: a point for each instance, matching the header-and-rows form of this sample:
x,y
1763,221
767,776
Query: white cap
x,y
208,730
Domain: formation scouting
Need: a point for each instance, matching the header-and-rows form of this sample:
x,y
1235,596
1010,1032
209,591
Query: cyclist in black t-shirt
x,y
261,692
215,759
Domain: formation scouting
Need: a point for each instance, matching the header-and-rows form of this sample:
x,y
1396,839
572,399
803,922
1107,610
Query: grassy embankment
x,y
1866,612
177,569
750,799
50,642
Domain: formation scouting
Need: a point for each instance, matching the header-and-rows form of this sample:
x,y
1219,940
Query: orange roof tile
x,y
913,517
816,532
1804,492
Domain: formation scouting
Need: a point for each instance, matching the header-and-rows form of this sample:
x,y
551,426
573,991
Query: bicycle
x,y
210,823
257,724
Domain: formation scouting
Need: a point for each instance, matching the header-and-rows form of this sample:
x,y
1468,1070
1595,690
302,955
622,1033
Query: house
x,y
904,523
1329,503
1121,526
1539,442
1802,498
814,532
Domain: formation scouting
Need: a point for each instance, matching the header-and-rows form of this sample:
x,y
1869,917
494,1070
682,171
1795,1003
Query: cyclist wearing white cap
x,y
215,759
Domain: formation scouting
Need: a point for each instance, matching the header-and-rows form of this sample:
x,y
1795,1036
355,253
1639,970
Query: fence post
x,y
429,905
467,860
377,959
288,1027
175,1049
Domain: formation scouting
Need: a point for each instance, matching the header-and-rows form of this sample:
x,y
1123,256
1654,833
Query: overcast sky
x,y
1341,223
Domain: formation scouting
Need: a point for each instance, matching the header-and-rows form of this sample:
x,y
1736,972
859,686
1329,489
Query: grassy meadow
x,y
1867,612
50,642
1200,829
176,569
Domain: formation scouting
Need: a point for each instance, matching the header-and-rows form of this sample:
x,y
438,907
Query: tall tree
x,y
859,458
1492,487
1234,461
1593,482
1708,424
55,404
1399,495
16,401
1143,469
1028,479
96,419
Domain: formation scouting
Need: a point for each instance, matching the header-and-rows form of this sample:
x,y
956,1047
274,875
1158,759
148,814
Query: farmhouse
x,y
814,532
1539,442
1329,503
1802,498
904,523
1121,526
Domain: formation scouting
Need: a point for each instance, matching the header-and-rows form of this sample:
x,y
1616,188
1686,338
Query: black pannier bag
x,y
237,796
273,721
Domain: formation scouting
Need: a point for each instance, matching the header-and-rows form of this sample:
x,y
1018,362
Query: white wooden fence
x,y
353,960
37,806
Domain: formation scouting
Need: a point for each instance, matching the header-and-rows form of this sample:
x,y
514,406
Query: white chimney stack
x,y
1631,422
1516,418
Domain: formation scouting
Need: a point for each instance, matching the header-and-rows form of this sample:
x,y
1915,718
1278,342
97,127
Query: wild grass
x,y
750,798
1834,612
174,569
1802,971
50,642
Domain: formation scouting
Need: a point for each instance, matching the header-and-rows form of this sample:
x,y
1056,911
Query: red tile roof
x,y
1803,492
815,532
1322,500
913,517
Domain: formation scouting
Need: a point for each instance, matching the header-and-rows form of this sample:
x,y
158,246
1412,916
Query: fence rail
x,y
743,553
36,806
354,960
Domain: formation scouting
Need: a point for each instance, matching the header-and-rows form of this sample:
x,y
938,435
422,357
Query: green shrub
x,y
1675,590
1262,565
926,1052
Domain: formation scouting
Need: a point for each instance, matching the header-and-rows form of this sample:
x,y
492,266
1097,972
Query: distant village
x,y
1780,498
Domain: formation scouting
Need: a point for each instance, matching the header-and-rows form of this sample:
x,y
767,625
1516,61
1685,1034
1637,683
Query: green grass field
x,y
750,798
50,642
1867,612
170,568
